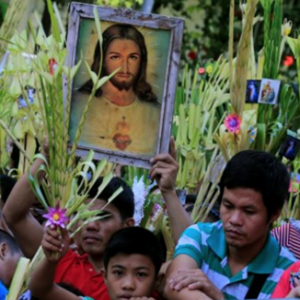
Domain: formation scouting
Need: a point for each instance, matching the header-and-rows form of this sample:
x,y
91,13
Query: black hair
x,y
125,32
14,157
189,208
124,202
6,185
190,198
260,171
5,237
134,240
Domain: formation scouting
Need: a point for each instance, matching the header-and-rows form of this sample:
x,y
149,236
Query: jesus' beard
x,y
122,85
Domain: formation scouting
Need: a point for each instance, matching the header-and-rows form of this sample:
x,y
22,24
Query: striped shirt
x,y
288,235
206,244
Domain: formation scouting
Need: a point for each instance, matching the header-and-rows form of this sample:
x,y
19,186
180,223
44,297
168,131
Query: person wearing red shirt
x,y
289,283
131,264
84,271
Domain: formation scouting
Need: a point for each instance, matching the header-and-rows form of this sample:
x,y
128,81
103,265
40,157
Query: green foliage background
x,y
207,34
208,37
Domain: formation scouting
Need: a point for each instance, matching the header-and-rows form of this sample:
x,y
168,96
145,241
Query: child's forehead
x,y
134,261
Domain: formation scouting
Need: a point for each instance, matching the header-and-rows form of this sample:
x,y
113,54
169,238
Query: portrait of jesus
x,y
124,115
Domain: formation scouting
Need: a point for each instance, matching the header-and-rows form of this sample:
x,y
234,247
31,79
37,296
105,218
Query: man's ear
x,y
3,250
275,216
129,222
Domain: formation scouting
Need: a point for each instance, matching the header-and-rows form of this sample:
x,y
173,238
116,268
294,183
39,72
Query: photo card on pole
x,y
252,91
291,146
269,91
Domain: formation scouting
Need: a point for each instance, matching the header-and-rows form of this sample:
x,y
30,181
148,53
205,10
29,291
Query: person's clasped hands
x,y
194,280
295,292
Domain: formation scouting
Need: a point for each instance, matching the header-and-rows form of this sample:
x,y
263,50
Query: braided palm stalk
x,y
12,19
244,50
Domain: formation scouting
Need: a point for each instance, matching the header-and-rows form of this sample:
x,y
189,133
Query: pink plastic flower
x,y
233,123
201,71
57,217
293,186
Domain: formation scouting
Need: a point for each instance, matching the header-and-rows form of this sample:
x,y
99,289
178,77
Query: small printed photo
x,y
30,96
252,91
269,91
290,147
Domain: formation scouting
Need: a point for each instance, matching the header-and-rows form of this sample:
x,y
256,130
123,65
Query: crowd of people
x,y
235,257
235,254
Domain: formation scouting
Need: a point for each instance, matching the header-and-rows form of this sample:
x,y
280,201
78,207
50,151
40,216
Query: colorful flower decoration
x,y
209,68
286,27
233,123
293,186
288,61
140,194
201,71
52,64
57,217
192,55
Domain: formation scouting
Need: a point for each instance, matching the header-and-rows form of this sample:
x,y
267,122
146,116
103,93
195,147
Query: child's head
x,y
10,254
132,260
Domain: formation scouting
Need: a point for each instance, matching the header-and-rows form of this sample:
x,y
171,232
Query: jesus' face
x,y
126,55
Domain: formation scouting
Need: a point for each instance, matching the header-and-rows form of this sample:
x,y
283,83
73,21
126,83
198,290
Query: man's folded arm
x,y
181,262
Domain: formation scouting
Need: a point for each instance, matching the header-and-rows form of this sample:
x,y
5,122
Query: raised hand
x,y
55,243
164,169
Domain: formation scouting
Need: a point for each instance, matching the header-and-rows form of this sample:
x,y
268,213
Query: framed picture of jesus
x,y
130,117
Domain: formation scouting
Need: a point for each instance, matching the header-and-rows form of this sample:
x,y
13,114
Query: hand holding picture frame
x,y
130,118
